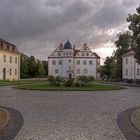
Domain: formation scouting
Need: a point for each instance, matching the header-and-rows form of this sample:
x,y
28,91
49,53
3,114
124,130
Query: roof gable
x,y
58,51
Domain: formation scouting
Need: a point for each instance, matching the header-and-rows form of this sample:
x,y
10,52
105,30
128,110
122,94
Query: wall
x,y
10,65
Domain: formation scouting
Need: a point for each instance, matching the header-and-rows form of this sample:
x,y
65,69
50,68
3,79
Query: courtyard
x,y
71,115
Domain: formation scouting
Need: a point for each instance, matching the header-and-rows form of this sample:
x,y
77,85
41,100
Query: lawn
x,y
46,86
21,82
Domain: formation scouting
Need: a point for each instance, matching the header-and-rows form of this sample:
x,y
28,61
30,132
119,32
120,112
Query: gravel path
x,y
72,115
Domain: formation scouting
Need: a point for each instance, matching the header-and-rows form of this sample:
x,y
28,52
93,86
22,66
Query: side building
x,y
66,61
131,69
9,61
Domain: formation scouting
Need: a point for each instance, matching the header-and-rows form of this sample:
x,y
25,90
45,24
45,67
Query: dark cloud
x,y
38,26
109,16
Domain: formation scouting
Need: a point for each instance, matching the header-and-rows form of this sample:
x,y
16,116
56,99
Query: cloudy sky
x,y
38,26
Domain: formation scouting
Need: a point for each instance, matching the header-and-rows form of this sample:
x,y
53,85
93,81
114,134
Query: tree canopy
x,y
32,68
134,27
129,40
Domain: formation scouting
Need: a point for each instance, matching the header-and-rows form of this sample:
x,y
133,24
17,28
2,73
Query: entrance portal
x,y
70,76
4,73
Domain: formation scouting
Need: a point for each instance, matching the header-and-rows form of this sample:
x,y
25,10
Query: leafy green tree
x,y
45,65
40,69
134,26
24,60
123,45
107,67
32,67
109,70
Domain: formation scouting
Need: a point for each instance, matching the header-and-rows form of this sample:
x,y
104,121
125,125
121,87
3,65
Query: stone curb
x,y
14,125
7,119
135,119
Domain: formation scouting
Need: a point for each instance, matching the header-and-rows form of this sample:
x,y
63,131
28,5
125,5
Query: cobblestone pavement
x,y
50,115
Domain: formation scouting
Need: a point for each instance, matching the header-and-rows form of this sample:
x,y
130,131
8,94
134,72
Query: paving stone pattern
x,y
73,115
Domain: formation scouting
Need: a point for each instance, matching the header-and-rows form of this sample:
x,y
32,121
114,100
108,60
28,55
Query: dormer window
x,y
85,48
59,54
82,54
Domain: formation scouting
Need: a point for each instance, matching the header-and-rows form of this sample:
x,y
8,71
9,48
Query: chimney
x,y
74,47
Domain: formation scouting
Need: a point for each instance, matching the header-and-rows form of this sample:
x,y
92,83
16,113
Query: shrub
x,y
56,84
130,80
51,78
84,80
137,81
77,84
59,79
68,83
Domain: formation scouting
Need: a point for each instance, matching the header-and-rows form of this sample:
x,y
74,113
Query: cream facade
x,y
66,61
131,69
9,61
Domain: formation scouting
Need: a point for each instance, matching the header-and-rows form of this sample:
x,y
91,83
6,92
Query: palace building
x,y
131,69
67,61
9,61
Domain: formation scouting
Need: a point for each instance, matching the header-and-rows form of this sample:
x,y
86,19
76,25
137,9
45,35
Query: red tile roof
x,y
8,46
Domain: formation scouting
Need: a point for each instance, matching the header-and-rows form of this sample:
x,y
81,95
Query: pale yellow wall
x,y
10,65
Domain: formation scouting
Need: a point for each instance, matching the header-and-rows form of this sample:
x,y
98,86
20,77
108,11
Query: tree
x,y
24,60
45,65
40,69
123,45
107,67
32,67
134,26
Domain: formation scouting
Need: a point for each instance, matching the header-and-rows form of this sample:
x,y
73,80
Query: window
x,y
83,54
10,59
87,54
78,71
126,60
85,48
126,72
69,60
78,62
16,60
10,71
84,62
138,72
59,54
15,71
4,58
53,62
90,62
56,71
85,71
60,62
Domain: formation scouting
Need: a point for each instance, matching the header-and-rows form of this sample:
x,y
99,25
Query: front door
x,y
4,73
70,76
